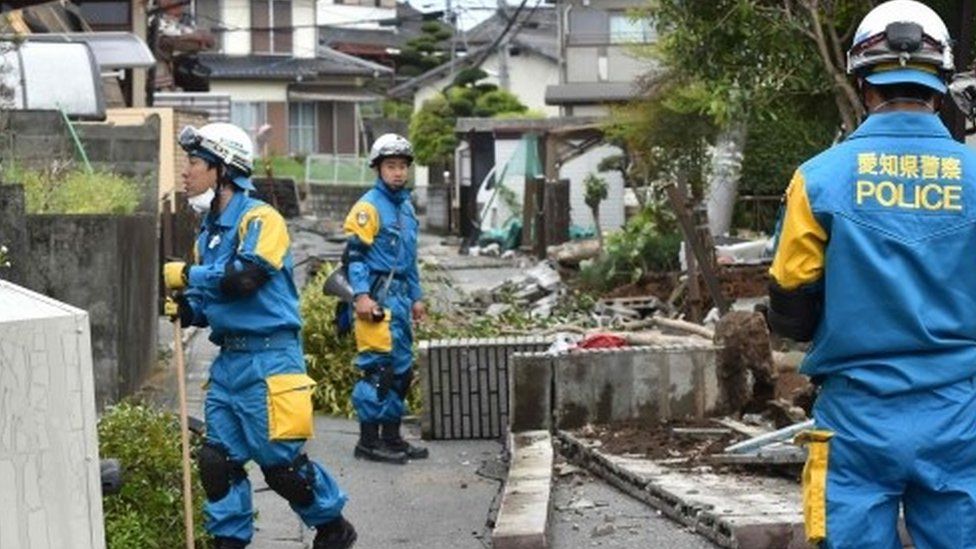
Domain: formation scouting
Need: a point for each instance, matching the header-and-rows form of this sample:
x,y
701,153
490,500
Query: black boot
x,y
371,447
337,534
391,437
228,543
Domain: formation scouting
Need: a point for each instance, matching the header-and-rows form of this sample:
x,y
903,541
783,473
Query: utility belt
x,y
284,339
383,275
379,278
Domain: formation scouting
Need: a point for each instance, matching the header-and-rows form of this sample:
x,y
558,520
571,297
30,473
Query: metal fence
x,y
341,169
338,169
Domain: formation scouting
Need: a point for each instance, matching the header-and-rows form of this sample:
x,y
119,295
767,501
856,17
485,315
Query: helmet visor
x,y
189,138
907,76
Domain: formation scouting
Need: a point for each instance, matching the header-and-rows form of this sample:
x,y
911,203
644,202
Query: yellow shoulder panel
x,y
271,243
800,252
363,221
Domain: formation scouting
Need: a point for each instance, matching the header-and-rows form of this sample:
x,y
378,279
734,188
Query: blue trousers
x,y
237,415
914,451
387,344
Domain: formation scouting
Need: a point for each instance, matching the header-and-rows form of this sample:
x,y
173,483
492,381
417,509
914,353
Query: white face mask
x,y
201,202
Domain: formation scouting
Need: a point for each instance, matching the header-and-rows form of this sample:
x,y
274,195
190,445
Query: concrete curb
x,y
523,517
761,513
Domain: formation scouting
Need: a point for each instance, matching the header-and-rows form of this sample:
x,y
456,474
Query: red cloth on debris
x,y
602,341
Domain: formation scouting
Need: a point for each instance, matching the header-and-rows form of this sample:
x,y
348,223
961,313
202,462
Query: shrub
x,y
148,512
329,358
640,248
62,191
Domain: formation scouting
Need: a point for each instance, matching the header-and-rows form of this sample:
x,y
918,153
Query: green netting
x,y
524,163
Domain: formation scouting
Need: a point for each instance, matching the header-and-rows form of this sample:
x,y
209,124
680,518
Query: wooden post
x,y
694,286
539,218
184,434
677,199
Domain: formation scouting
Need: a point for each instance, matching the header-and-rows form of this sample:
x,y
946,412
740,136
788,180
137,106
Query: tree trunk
x,y
596,226
723,182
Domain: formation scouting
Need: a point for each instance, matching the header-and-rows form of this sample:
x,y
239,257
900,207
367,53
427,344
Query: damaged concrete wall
x,y
50,488
107,265
644,384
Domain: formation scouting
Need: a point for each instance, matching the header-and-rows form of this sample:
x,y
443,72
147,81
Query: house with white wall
x,y
305,97
599,64
525,67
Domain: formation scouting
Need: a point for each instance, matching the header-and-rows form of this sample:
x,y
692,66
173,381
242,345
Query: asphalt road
x,y
588,512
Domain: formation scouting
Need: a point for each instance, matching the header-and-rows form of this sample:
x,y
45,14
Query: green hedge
x,y
148,512
75,191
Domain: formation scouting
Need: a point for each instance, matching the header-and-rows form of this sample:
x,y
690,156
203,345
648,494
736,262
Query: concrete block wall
x,y
50,487
107,265
132,151
333,202
33,139
643,384
13,231
40,139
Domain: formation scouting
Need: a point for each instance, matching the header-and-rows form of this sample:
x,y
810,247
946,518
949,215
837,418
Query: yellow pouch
x,y
374,336
815,482
290,406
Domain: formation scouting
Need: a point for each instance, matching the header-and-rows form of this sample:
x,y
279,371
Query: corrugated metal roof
x,y
279,67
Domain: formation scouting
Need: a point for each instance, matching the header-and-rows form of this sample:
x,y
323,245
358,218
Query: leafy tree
x,y
424,52
596,192
432,132
432,126
494,102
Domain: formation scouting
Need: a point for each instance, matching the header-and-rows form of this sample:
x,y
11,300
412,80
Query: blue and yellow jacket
x,y
884,224
382,237
248,230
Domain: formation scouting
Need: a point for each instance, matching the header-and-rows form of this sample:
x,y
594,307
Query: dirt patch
x,y
659,440
745,362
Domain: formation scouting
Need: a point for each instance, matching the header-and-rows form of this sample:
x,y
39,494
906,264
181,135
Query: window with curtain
x,y
302,128
626,30
249,115
271,26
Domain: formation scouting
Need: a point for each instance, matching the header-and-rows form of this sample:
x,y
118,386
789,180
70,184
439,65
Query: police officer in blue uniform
x,y
382,269
259,400
875,264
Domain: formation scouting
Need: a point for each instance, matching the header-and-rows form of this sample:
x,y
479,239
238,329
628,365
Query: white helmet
x,y
224,143
387,145
902,41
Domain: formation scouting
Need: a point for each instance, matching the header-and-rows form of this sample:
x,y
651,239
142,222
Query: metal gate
x,y
465,385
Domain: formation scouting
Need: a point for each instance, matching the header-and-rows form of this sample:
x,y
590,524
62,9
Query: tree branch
x,y
846,97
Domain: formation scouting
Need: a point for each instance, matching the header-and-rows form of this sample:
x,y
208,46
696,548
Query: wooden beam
x,y
677,199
